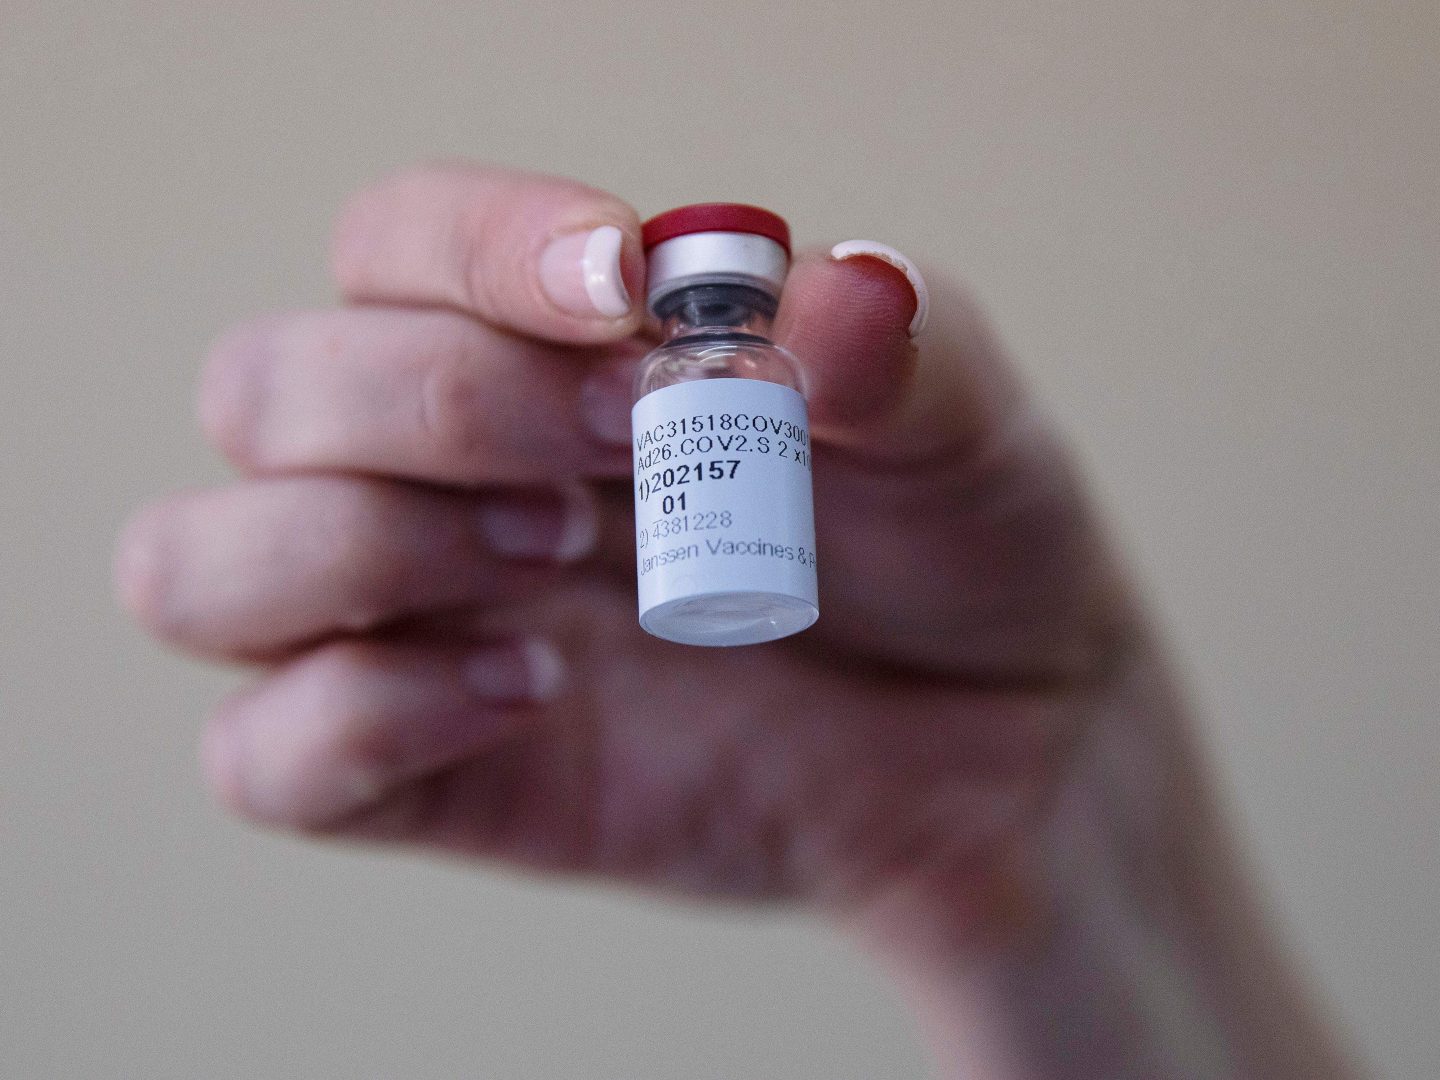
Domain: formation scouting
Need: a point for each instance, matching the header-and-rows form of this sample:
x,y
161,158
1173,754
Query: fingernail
x,y
530,670
581,273
851,249
562,527
605,402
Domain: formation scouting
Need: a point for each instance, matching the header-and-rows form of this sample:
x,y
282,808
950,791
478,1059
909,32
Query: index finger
x,y
544,256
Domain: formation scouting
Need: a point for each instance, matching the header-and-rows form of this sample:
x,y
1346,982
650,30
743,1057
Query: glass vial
x,y
724,517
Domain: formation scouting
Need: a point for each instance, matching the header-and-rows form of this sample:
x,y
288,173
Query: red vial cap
x,y
716,217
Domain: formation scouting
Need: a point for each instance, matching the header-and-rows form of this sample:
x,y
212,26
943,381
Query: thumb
x,y
898,370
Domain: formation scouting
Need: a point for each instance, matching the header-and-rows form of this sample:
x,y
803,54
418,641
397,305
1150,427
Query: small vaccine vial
x,y
724,517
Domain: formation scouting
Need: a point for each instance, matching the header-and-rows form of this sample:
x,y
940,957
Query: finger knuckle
x,y
363,564
356,739
451,408
480,266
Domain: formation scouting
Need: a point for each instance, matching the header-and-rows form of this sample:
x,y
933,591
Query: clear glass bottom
x,y
729,618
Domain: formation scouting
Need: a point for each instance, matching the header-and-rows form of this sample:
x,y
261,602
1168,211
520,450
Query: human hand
x,y
430,557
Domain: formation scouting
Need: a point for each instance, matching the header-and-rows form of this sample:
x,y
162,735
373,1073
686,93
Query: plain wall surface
x,y
1210,234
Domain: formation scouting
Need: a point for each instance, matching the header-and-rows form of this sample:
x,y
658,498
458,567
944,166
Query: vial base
x,y
729,618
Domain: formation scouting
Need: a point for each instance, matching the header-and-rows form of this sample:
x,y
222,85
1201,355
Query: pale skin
x,y
973,765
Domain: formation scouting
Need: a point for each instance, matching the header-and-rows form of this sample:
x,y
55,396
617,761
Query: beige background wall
x,y
1210,231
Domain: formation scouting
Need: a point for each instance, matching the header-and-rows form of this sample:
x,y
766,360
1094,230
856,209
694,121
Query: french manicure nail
x,y
851,249
581,273
563,529
529,670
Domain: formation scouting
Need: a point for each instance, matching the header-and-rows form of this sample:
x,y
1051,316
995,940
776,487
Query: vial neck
x,y
716,311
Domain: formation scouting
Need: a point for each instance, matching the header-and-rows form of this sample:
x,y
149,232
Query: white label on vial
x,y
722,491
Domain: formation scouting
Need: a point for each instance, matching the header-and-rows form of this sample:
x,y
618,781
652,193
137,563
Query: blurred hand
x,y
430,557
